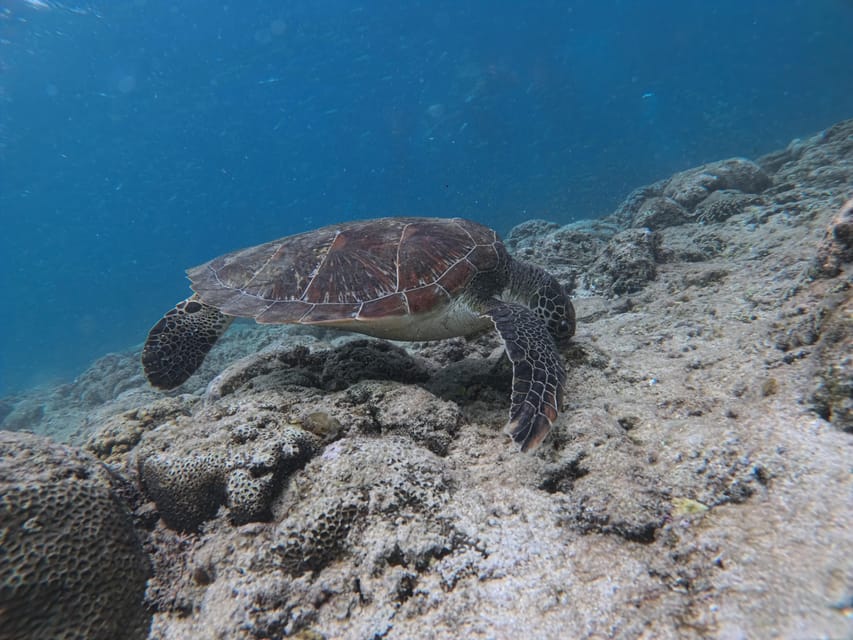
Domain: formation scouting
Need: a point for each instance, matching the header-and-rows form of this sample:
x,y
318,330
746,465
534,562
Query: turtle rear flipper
x,y
177,344
538,374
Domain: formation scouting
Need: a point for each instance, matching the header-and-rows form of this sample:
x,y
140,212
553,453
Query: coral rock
x,y
187,490
691,187
426,419
356,484
71,565
190,481
627,263
657,213
312,538
837,245
722,205
370,359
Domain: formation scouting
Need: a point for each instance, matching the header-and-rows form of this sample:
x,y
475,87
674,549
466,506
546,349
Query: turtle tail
x,y
177,344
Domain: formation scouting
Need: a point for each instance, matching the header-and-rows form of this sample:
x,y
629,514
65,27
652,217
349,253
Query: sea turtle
x,y
395,278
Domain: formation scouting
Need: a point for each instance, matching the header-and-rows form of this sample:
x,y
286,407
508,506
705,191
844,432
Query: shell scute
x,y
426,298
454,279
368,269
358,266
485,256
330,312
393,305
425,256
283,312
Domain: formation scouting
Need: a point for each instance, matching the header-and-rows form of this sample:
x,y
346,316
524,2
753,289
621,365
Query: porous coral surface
x,y
71,564
189,471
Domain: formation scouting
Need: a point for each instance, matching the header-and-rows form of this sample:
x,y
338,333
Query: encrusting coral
x,y
189,483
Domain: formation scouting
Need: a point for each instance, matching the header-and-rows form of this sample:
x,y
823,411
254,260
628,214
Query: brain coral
x,y
71,565
242,467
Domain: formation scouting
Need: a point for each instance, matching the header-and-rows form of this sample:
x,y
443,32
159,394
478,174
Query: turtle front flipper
x,y
177,344
538,374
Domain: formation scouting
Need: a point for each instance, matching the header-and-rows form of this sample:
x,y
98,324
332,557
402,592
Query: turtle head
x,y
551,302
545,296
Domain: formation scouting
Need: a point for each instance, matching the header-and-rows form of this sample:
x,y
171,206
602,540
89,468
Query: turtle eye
x,y
564,328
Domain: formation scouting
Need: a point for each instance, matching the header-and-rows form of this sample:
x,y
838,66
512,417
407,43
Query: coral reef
x,y
626,263
680,198
658,212
71,564
836,248
357,489
691,187
831,333
722,205
242,465
695,485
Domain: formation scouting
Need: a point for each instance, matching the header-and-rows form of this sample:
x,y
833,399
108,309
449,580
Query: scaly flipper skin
x,y
177,344
538,374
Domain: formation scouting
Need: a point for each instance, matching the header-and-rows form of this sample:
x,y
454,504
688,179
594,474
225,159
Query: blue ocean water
x,y
138,138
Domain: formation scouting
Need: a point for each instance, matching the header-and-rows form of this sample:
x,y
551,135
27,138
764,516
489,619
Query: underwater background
x,y
140,138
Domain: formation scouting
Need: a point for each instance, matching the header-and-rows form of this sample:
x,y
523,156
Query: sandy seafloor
x,y
699,483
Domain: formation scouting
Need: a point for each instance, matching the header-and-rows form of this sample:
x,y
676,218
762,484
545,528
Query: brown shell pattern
x,y
363,269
